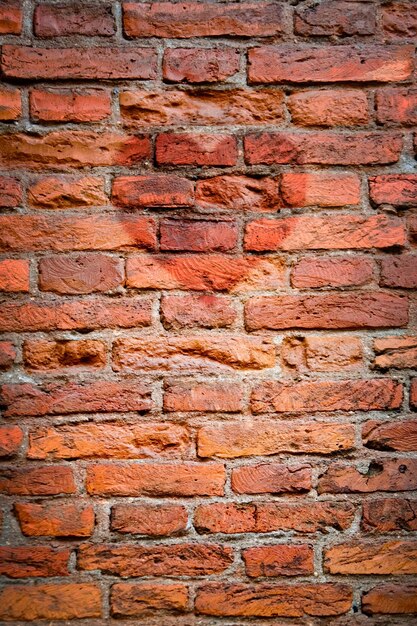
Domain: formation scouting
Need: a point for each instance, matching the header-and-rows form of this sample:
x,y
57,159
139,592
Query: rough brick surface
x,y
208,275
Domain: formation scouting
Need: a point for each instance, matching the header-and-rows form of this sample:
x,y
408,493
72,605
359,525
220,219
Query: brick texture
x,y
208,316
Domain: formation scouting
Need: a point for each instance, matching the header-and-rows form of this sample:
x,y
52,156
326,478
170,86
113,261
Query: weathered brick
x,y
149,520
378,394
135,600
73,19
53,192
381,475
55,519
398,351
279,560
7,355
329,108
194,19
10,192
389,515
397,189
290,63
205,396
11,17
49,602
396,105
69,105
53,355
361,558
153,191
44,480
194,311
72,148
268,600
14,275
333,17
238,193
255,438
202,107
193,559
11,438
271,478
399,271
321,353
80,274
198,236
323,189
151,479
399,20
317,272
390,599
108,440
78,63
31,561
61,232
200,65
344,310
195,149
85,397
394,435
10,105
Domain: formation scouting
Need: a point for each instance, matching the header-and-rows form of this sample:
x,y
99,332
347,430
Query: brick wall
x,y
208,256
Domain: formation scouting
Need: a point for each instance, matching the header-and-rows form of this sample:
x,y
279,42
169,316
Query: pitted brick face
x,y
208,326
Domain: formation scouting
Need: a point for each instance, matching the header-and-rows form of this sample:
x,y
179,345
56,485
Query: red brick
x,y
193,311
399,20
78,274
392,435
399,271
152,479
7,355
360,558
10,104
266,517
11,16
83,315
390,599
378,394
321,353
323,148
193,559
200,65
396,105
333,310
300,64
61,232
261,438
55,519
44,480
397,189
305,232
149,520
108,440
11,438
53,355
201,272
238,193
58,192
203,396
269,600
317,272
195,149
202,107
72,148
196,353
71,19
14,275
279,560
399,351
135,600
323,189
31,561
10,192
198,236
389,515
69,105
55,398
382,475
333,17
194,19
58,601
271,478
78,63
329,108
153,191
